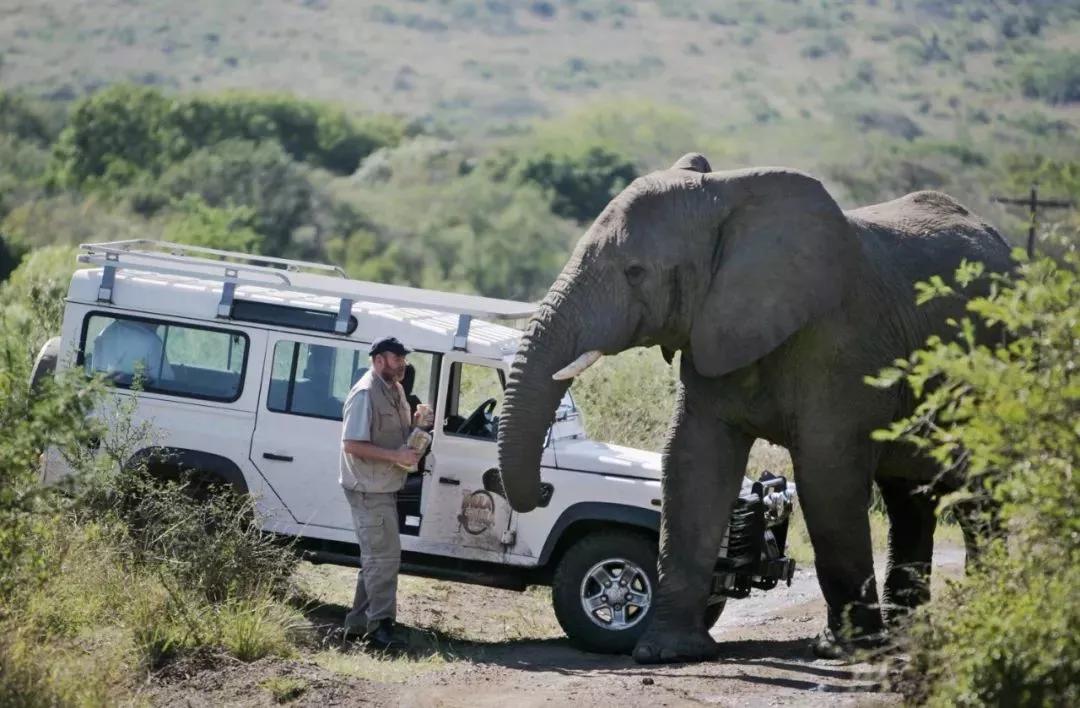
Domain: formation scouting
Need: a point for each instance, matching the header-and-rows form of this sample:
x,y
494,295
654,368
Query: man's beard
x,y
393,375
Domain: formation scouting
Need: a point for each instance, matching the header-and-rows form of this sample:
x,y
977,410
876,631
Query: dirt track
x,y
464,653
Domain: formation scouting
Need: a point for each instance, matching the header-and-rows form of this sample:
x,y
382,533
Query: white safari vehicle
x,y
244,363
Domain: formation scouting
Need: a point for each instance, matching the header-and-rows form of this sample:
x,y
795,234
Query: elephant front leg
x,y
703,468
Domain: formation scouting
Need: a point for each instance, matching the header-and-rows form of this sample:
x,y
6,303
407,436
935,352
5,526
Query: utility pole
x,y
1033,203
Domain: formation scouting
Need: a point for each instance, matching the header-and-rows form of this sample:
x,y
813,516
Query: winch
x,y
754,544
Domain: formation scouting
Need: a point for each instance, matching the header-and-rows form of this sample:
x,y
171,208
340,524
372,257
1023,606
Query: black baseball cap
x,y
388,344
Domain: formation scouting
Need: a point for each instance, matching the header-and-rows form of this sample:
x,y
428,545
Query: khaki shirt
x,y
375,412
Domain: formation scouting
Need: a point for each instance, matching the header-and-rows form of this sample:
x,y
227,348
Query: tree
x,y
581,184
257,176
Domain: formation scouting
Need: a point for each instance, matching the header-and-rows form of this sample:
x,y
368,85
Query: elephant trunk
x,y
532,398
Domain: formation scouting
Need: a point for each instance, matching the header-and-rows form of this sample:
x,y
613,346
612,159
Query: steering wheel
x,y
478,418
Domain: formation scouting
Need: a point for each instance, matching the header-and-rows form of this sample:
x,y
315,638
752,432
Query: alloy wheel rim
x,y
616,594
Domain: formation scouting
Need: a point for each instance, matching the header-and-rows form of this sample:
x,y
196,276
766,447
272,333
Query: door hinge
x,y
509,537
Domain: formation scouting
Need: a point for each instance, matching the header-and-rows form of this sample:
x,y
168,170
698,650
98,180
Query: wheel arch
x,y
583,518
169,461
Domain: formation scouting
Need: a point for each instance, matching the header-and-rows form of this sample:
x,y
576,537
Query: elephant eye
x,y
635,274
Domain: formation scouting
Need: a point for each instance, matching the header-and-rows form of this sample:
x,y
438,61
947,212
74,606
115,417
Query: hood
x,y
591,456
605,458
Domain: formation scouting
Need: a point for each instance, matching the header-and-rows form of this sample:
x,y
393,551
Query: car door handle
x,y
449,480
277,458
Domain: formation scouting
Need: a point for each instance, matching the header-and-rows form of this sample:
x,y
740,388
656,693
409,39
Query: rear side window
x,y
165,357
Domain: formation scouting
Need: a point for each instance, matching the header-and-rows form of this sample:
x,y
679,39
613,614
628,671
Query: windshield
x,y
569,422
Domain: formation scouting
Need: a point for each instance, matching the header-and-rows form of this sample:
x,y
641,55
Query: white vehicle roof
x,y
187,281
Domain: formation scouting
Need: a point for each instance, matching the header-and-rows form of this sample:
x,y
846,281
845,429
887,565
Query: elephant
x,y
780,304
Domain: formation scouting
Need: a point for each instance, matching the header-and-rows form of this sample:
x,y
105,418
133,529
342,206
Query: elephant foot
x,y
828,645
661,646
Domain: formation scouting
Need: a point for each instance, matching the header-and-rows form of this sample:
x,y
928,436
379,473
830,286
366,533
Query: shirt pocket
x,y
388,422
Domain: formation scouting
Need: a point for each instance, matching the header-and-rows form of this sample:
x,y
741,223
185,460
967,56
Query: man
x,y
376,424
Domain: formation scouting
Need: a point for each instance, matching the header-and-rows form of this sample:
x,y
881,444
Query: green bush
x,y
1055,78
26,120
192,221
306,130
116,134
580,184
260,177
124,132
1007,418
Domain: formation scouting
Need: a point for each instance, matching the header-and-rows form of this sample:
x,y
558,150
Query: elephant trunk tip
x,y
521,500
524,506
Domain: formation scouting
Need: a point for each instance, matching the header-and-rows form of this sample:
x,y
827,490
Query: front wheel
x,y
603,590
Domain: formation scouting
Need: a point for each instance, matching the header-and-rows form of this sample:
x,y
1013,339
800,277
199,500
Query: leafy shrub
x,y
471,233
69,218
1054,79
193,221
122,132
114,135
275,191
23,119
306,130
1005,417
580,184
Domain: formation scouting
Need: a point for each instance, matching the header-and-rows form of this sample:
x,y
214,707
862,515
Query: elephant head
x,y
722,265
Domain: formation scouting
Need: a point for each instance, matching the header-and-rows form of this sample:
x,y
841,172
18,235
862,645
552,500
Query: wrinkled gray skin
x,y
780,304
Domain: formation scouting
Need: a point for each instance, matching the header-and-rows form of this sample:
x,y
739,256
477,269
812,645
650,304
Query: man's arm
x,y
356,436
370,451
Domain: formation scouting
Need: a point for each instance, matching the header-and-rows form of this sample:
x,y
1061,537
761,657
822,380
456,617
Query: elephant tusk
x,y
578,365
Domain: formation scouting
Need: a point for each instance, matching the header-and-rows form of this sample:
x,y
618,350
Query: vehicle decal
x,y
477,512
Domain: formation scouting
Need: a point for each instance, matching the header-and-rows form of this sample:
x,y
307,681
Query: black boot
x,y
382,636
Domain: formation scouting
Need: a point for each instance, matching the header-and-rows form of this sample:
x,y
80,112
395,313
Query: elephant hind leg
x,y
912,521
980,522
834,481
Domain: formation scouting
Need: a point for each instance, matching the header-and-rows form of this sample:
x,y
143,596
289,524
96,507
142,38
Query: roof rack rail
x,y
235,269
168,250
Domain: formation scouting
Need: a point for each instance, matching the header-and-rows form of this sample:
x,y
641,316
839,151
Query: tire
x,y
45,363
606,630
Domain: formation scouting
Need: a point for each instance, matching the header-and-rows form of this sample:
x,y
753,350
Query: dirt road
x,y
479,647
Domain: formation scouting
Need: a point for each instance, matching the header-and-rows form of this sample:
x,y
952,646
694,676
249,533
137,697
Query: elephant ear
x,y
784,250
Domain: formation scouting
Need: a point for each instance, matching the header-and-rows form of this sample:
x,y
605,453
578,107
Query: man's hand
x,y
407,457
365,450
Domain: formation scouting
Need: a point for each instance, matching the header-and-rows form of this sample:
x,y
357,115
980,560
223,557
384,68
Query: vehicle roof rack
x,y
234,269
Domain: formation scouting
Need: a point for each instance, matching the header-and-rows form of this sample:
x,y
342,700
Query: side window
x,y
313,379
420,382
471,411
166,357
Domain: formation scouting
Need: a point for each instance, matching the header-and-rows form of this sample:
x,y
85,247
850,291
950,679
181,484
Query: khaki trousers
x,y
376,522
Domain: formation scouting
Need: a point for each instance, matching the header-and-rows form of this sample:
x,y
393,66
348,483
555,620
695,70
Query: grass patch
x,y
285,689
800,549
384,667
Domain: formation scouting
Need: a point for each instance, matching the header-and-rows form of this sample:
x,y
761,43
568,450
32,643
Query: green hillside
x,y
464,144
